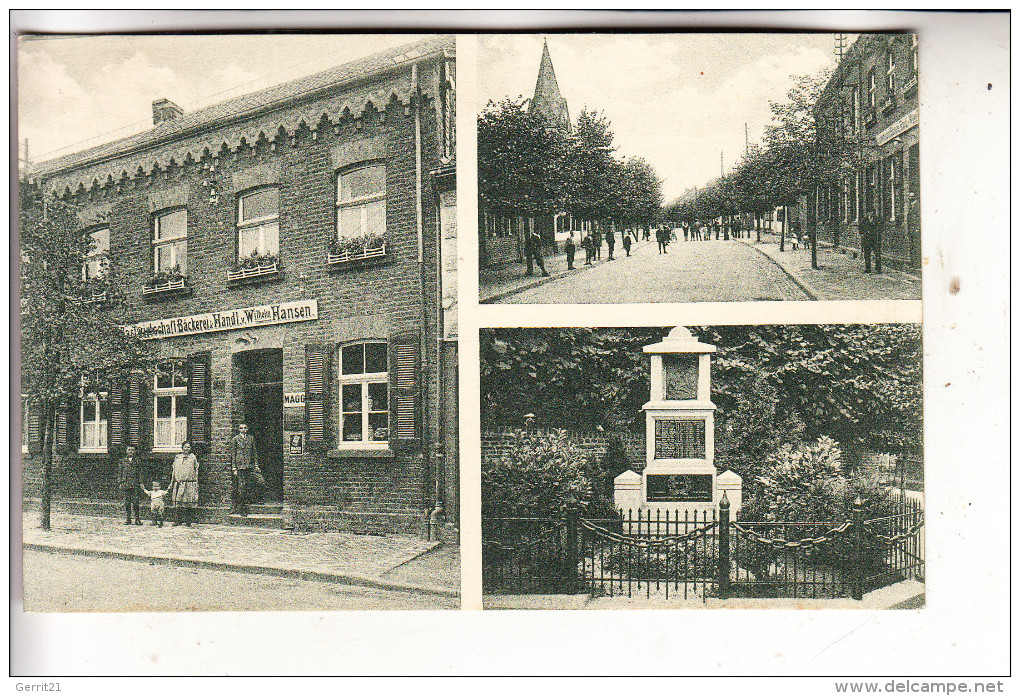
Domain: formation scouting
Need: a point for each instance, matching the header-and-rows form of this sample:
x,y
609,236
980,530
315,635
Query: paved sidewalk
x,y
395,562
500,282
838,276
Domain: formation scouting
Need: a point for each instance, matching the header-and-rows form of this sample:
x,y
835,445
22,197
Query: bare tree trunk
x,y
782,230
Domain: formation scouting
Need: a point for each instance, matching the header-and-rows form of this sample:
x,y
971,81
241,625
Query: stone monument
x,y
679,474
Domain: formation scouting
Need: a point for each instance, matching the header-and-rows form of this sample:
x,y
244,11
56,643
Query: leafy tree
x,y
592,174
859,384
64,334
519,161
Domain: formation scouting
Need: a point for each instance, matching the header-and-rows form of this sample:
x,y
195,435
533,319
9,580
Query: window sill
x,y
357,259
91,454
259,274
362,453
169,289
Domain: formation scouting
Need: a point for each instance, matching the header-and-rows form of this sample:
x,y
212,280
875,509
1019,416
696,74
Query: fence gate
x,y
669,556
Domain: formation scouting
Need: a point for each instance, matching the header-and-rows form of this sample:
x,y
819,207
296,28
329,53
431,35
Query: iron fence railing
x,y
702,554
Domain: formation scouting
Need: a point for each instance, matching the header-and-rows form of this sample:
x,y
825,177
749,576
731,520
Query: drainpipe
x,y
423,339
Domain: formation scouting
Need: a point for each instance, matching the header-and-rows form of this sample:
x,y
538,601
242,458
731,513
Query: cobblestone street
x,y
359,559
715,271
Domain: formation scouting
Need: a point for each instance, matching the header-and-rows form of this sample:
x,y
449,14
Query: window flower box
x,y
358,251
166,283
869,116
888,105
254,268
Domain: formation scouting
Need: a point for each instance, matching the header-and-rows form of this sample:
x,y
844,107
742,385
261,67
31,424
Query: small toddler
x,y
157,505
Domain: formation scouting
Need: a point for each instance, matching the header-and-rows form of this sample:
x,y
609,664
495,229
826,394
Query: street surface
x,y
715,271
56,582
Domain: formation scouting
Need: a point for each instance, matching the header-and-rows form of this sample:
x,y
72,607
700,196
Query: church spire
x,y
548,103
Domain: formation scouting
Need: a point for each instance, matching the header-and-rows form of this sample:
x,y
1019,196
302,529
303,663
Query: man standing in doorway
x,y
242,466
129,481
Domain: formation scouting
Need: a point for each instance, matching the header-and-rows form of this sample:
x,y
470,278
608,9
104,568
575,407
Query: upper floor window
x,y
94,414
872,88
913,53
170,242
890,70
170,405
258,223
364,393
97,261
361,202
856,107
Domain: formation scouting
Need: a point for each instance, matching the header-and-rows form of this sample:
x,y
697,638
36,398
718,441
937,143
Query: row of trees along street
x,y
66,331
526,168
801,151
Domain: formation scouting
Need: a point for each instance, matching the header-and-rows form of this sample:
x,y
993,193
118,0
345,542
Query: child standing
x,y
156,503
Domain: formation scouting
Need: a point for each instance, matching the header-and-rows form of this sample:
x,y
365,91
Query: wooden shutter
x,y
116,428
34,426
200,401
66,435
404,374
138,422
317,385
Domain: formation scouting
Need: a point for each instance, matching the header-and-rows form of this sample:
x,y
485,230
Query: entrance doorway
x,y
260,380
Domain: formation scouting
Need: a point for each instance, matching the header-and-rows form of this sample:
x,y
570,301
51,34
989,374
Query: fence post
x,y
858,527
724,546
572,550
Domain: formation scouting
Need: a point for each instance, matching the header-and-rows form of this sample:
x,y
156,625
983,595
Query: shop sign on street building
x,y
228,320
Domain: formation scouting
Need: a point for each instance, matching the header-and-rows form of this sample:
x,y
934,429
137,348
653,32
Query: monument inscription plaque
x,y
680,377
679,439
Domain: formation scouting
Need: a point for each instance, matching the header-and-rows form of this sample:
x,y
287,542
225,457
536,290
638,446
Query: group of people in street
x,y
182,491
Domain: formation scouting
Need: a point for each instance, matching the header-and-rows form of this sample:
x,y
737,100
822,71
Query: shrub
x,y
542,475
806,484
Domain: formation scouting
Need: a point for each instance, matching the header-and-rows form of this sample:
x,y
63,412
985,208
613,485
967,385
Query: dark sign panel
x,y
667,488
679,439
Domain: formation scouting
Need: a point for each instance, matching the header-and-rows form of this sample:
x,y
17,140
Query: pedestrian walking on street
x,y
588,252
571,249
596,242
685,232
611,242
871,244
157,506
184,485
533,249
243,465
128,481
626,241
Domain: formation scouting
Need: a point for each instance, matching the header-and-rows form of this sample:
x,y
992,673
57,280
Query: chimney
x,y
165,110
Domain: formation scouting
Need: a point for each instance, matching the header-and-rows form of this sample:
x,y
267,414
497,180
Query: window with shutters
x,y
170,406
93,414
890,71
872,89
364,394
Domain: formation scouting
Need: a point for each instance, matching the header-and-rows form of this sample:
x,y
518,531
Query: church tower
x,y
548,103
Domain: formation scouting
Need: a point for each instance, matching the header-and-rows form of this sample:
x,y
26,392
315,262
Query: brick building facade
x,y
292,256
871,101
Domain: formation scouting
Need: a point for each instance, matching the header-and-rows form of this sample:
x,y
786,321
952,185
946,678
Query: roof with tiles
x,y
254,103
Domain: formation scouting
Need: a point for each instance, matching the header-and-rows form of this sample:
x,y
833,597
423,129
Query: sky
x,y
676,100
73,89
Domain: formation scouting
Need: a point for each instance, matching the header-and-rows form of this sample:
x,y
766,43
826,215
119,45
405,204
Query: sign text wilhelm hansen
x,y
244,318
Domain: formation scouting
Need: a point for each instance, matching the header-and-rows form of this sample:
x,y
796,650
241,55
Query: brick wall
x,y
386,298
497,443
